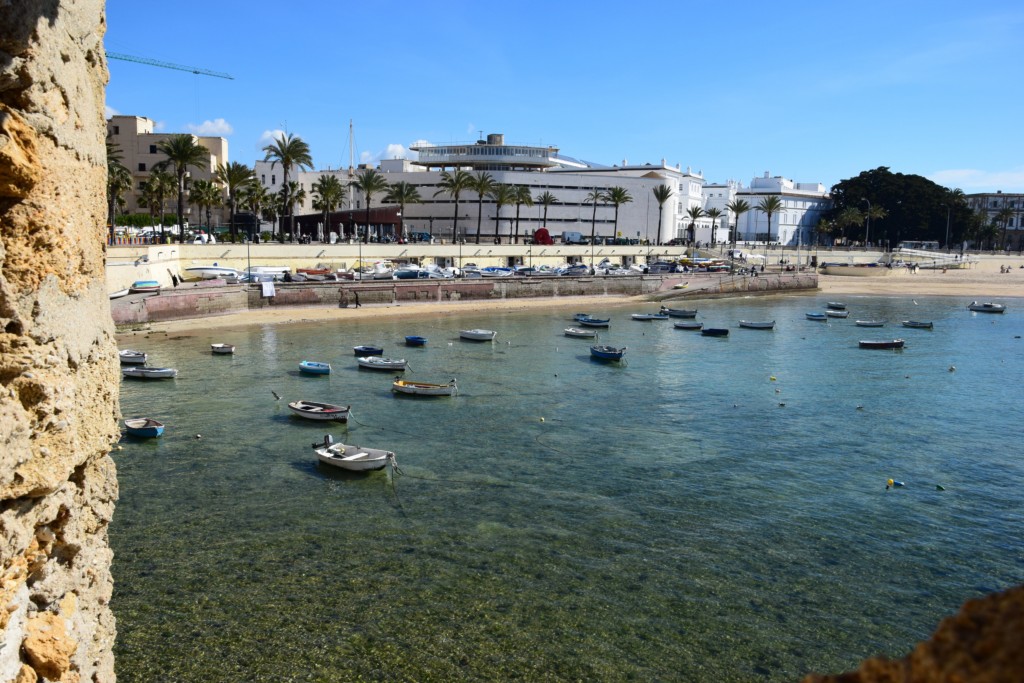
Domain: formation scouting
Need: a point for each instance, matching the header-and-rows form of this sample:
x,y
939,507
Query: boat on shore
x,y
144,286
986,307
403,386
312,367
144,427
312,410
606,352
354,458
380,363
918,324
580,333
143,372
881,344
212,273
477,335
758,325
119,293
222,349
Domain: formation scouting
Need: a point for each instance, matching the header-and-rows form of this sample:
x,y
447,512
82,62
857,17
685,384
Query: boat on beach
x,y
380,363
918,324
143,372
580,333
212,273
477,335
354,458
144,427
312,367
144,286
881,344
403,386
607,352
119,293
132,357
312,410
222,349
758,325
986,307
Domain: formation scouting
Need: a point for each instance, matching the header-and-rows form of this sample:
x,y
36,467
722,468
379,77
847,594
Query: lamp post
x,y
947,227
867,222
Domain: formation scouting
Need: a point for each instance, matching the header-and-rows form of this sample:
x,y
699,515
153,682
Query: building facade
x,y
1003,210
802,207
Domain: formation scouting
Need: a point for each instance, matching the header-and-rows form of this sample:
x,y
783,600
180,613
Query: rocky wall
x,y
58,363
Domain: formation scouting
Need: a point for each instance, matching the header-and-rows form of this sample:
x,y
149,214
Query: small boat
x,y
688,325
594,322
833,313
311,410
379,363
402,386
679,312
835,306
222,349
816,316
143,372
715,332
354,458
918,324
414,340
212,272
314,368
119,293
144,427
580,333
132,357
650,316
755,325
496,271
368,350
607,352
140,286
407,272
986,307
477,335
869,323
580,316
882,344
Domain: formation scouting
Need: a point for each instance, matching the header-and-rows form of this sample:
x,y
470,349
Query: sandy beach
x,y
976,283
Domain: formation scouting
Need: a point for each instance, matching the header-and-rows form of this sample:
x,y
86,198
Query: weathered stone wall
x,y
58,366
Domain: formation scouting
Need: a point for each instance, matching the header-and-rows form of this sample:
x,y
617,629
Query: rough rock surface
x,y
58,364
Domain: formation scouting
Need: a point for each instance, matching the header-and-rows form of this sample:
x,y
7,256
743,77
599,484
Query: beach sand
x,y
971,284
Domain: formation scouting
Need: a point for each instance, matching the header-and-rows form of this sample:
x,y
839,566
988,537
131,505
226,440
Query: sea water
x,y
711,509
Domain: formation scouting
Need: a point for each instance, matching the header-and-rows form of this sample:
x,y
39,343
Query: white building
x,y
802,207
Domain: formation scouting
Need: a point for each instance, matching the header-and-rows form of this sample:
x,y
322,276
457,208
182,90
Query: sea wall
x,y
58,361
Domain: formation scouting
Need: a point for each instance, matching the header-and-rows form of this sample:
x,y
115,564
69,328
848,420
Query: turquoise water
x,y
681,516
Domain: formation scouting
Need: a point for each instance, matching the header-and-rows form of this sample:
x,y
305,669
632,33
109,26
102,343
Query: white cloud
x,y
396,151
972,179
217,127
109,111
159,126
268,137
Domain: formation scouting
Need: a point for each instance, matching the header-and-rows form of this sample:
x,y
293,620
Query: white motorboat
x,y
478,335
212,272
580,333
355,458
425,388
379,363
132,357
311,410
222,349
143,372
986,307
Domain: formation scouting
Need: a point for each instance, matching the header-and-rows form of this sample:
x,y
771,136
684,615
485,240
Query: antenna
x,y
167,65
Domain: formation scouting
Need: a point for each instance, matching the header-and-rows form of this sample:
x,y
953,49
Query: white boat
x,y
831,313
222,348
378,363
869,323
212,272
688,325
986,307
132,357
311,410
650,316
260,273
143,372
119,293
581,333
424,388
758,325
679,312
478,335
355,458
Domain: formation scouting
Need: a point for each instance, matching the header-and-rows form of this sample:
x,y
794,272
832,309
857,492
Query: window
x,y
142,167
263,179
273,180
117,130
152,149
142,184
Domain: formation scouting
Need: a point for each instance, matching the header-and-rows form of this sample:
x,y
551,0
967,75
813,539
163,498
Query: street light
x,y
867,227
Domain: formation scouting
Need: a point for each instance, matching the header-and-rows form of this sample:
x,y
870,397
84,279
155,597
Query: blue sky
x,y
813,91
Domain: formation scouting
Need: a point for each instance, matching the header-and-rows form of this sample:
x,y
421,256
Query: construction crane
x,y
168,65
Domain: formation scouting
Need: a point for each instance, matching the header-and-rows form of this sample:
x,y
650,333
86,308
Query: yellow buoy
x,y
890,482
772,378
542,419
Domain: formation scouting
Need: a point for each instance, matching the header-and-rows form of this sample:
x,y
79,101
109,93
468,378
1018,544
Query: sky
x,y
811,91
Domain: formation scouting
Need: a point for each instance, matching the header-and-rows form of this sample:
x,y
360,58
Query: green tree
x,y
290,194
769,206
694,213
234,177
291,152
501,195
328,195
403,193
593,197
520,196
155,192
662,193
483,184
850,217
454,184
182,151
119,181
254,197
546,199
824,227
1004,216
369,182
617,196
205,195
714,213
737,207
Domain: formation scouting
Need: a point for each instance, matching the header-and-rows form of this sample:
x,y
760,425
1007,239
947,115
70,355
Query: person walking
x,y
356,295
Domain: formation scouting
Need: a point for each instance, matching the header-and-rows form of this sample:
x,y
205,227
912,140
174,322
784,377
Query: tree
x,y
695,213
738,207
662,193
769,206
369,182
119,181
824,227
290,194
403,193
254,197
454,184
714,213
205,195
617,196
520,195
848,218
483,184
234,177
594,197
155,191
291,152
1004,216
501,195
181,151
328,194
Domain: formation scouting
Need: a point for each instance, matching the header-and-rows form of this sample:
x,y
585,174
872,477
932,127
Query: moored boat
x,y
379,363
415,340
833,313
594,322
222,349
367,350
132,357
312,367
143,372
605,352
688,325
142,286
881,344
835,306
354,458
649,316
758,325
679,312
816,316
869,323
580,333
403,386
986,307
144,427
715,332
918,324
477,335
312,410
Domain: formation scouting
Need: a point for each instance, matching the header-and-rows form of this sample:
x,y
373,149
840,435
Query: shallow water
x,y
710,510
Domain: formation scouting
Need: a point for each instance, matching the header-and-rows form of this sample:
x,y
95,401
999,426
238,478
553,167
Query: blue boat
x,y
314,368
368,351
816,316
144,286
594,322
607,352
144,427
414,340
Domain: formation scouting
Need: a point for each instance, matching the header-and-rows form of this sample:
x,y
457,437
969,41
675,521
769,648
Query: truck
x,y
573,238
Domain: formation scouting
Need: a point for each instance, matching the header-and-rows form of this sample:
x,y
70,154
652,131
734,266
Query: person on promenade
x,y
356,295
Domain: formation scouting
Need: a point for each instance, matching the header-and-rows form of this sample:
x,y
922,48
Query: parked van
x,y
573,238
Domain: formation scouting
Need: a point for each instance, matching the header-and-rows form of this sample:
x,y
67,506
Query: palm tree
x,y
593,197
328,194
546,199
824,227
617,196
483,184
501,195
768,206
291,152
454,184
205,195
155,192
1004,216
738,207
234,177
119,181
369,182
290,194
662,193
520,195
695,213
403,193
714,213
848,218
182,151
254,197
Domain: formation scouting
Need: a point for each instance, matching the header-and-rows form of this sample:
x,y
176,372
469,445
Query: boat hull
x,y
986,308
415,341
222,349
314,368
679,312
607,352
324,412
368,350
918,325
688,326
130,357
378,363
754,325
424,388
477,335
714,332
149,373
870,323
144,428
354,458
881,344
579,333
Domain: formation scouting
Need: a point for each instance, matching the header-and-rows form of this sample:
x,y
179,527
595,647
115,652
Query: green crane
x,y
168,65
